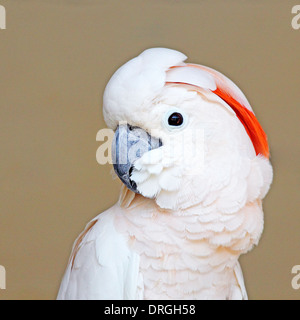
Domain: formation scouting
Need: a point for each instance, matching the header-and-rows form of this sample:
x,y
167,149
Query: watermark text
x,y
2,278
187,147
296,19
2,17
296,279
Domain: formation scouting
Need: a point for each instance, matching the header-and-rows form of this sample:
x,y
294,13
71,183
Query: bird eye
x,y
175,119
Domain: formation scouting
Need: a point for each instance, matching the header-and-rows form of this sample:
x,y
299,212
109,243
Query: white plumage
x,y
197,205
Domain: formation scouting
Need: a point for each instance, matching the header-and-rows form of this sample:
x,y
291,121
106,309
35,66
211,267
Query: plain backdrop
x,y
56,57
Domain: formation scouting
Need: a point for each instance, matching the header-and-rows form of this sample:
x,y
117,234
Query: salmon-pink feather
x,y
250,123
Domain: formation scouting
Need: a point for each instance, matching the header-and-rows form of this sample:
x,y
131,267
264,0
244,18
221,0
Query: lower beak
x,y
129,144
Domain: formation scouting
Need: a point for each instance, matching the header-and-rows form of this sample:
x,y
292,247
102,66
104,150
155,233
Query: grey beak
x,y
129,144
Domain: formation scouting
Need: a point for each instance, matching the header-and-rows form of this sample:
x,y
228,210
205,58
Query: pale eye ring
x,y
175,119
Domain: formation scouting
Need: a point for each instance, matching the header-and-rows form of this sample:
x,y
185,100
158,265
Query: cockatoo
x,y
194,162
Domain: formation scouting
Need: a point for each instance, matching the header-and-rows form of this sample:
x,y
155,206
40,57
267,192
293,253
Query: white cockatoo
x,y
194,162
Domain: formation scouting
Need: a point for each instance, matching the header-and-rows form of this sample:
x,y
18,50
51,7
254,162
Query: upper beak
x,y
129,144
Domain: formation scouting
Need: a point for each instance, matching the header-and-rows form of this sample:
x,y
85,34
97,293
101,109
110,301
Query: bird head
x,y
184,134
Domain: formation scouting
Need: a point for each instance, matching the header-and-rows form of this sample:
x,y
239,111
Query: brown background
x,y
55,59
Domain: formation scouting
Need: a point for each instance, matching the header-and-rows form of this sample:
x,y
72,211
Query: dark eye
x,y
175,119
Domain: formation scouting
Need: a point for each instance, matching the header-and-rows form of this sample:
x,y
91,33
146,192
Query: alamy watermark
x,y
2,278
2,17
296,19
186,147
296,279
